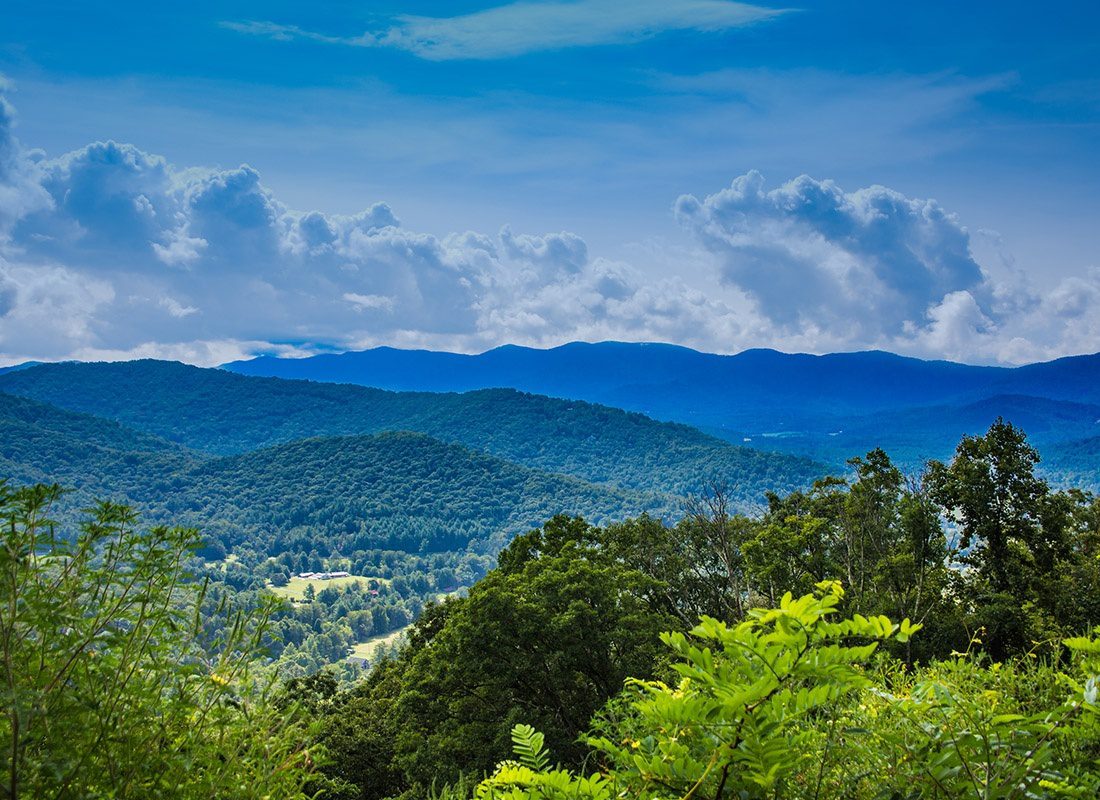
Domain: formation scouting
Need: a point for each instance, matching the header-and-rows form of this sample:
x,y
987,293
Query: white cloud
x,y
526,27
20,191
369,302
177,309
46,310
127,255
199,353
870,261
111,252
956,324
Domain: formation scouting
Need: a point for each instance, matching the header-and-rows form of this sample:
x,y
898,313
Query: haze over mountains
x,y
827,407
220,413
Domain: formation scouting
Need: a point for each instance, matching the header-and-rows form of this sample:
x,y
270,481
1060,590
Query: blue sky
x,y
919,177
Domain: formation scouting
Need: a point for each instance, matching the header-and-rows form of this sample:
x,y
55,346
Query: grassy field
x,y
296,588
368,648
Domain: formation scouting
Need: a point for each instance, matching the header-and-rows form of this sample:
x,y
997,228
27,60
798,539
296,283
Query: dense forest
x,y
411,516
872,635
221,413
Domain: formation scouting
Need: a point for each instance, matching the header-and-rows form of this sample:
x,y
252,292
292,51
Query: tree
x,y
111,686
715,541
990,489
732,725
549,636
1016,536
788,704
892,550
793,546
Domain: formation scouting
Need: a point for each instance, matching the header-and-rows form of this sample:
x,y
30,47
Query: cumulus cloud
x,y
112,252
825,269
525,27
47,310
20,191
808,252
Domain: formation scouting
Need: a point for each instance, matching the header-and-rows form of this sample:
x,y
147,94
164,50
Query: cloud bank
x,y
527,27
809,253
112,252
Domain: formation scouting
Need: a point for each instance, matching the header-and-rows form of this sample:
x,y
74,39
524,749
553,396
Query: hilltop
x,y
221,413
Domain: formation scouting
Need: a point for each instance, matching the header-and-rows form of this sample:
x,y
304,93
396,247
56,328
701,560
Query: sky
x,y
226,179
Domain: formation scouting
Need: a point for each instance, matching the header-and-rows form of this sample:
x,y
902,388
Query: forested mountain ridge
x,y
403,518
219,412
607,371
822,407
396,491
393,491
88,454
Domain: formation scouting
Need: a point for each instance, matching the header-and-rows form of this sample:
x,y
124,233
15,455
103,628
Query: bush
x,y
785,705
111,687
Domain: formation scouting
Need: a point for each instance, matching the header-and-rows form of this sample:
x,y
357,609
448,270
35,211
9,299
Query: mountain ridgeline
x,y
393,491
406,497
824,407
217,412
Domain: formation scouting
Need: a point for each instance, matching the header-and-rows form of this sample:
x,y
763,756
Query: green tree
x,y
990,489
794,546
891,549
1015,535
732,725
358,732
791,704
548,636
111,687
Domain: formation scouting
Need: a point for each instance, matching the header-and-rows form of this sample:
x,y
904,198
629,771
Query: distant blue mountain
x,y
671,375
16,367
829,407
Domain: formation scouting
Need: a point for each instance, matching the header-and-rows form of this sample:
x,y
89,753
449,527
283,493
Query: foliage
x,y
422,517
1017,538
392,491
783,706
549,636
964,727
773,697
732,722
111,685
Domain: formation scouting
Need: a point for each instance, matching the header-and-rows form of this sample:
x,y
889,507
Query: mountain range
x,y
416,491
258,458
392,491
828,407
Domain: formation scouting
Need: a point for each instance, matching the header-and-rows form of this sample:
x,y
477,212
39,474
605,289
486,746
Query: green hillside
x,y
91,456
415,517
391,491
223,413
